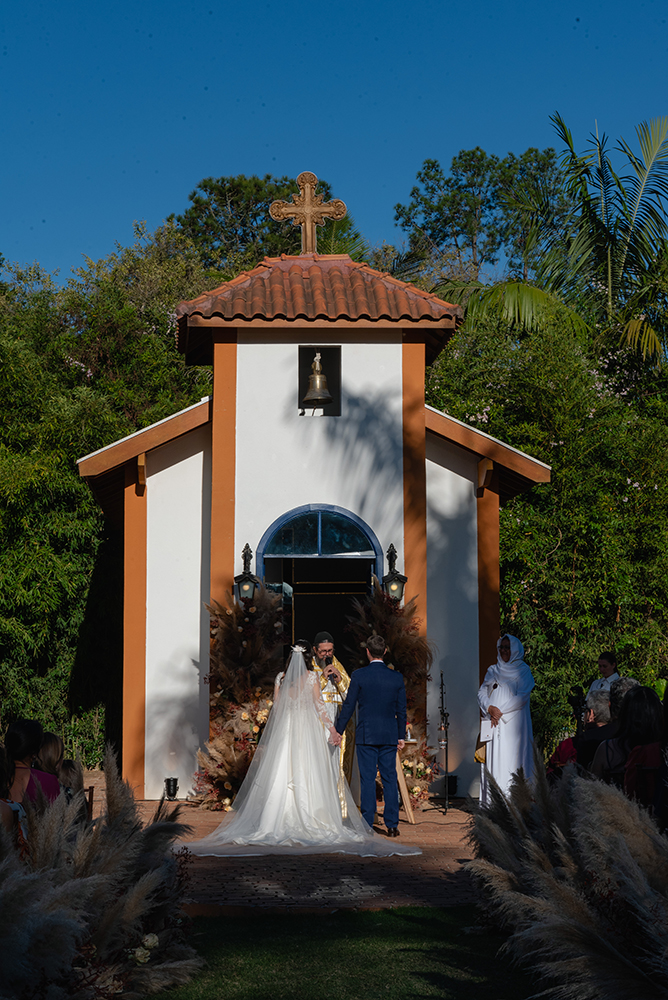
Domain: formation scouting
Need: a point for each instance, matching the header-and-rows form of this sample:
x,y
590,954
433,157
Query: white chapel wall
x,y
452,602
177,632
285,460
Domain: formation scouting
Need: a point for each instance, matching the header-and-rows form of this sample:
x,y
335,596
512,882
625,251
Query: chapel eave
x,y
515,472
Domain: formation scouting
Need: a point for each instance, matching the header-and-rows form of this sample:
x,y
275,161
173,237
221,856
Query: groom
x,y
380,694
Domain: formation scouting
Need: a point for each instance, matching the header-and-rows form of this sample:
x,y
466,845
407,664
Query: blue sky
x,y
114,112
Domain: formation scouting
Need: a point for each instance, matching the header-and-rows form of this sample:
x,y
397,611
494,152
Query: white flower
x,y
150,941
141,955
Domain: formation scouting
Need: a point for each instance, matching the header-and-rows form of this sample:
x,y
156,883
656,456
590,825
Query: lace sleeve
x,y
319,703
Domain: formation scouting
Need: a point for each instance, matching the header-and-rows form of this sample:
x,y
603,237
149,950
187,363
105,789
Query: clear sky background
x,y
114,112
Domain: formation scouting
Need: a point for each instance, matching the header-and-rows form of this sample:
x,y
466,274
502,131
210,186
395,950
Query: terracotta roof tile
x,y
315,286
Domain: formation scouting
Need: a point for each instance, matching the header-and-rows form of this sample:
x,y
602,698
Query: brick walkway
x,y
329,882
323,883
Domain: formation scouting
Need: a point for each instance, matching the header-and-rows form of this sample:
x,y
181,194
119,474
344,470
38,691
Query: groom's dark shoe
x,y
392,831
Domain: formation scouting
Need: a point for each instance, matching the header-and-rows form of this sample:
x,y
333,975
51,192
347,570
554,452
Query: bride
x,y
291,801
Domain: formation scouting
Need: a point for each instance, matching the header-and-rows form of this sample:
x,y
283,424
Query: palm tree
x,y
606,259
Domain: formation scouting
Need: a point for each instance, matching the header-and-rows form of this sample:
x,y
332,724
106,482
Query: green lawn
x,y
402,954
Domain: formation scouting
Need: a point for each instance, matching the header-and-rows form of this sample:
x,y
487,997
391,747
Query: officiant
x,y
334,684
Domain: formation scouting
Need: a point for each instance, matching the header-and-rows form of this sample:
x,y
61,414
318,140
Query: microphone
x,y
328,663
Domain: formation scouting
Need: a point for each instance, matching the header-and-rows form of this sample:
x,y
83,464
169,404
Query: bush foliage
x,y
80,366
584,560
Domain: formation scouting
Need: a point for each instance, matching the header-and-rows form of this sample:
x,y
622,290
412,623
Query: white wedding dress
x,y
289,802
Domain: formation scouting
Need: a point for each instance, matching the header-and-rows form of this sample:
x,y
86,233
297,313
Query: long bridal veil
x,y
290,801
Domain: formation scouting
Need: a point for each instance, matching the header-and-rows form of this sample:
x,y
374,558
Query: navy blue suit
x,y
380,694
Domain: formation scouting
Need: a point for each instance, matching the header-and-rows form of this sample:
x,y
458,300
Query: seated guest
x,y
50,756
6,806
598,726
70,775
12,814
23,742
661,788
618,691
640,724
607,666
563,755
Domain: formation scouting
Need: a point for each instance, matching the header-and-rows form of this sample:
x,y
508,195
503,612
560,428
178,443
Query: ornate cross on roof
x,y
307,210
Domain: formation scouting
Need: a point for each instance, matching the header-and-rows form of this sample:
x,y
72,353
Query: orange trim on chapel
x,y
415,476
223,464
134,632
489,608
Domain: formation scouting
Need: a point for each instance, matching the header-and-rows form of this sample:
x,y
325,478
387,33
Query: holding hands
x,y
334,737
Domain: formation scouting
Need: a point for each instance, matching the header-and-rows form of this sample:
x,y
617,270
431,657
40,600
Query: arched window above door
x,y
320,531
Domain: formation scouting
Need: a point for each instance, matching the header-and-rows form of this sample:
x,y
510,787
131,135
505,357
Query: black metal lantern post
x,y
246,583
393,582
443,743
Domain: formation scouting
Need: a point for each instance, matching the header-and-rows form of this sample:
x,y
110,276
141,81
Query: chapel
x,y
305,489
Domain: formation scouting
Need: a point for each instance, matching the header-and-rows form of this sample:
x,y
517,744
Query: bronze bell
x,y
318,394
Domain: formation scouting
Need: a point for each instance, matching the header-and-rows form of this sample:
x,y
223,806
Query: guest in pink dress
x,y
23,742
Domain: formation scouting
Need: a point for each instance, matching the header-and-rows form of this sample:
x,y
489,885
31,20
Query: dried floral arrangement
x,y
94,910
579,874
235,731
246,650
420,769
380,614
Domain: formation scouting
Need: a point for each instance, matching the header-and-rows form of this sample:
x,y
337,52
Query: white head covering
x,y
515,671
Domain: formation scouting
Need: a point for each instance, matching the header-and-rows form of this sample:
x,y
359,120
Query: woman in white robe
x,y
504,698
289,802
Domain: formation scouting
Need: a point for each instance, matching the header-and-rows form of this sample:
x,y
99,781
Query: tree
x,y
604,255
465,220
343,236
229,223
457,215
79,368
523,181
612,260
584,560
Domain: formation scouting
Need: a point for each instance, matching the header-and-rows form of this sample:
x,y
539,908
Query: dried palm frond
x,y
92,901
380,614
246,647
581,875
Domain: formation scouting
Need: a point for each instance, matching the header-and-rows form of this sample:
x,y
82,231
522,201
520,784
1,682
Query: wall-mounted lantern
x,y
394,582
246,583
